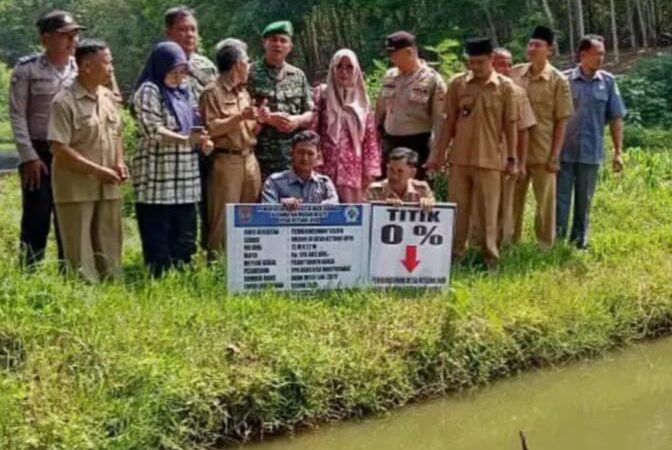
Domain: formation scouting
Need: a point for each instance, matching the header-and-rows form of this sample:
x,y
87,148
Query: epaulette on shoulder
x,y
27,59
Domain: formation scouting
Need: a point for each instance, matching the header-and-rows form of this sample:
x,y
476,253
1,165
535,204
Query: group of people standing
x,y
211,134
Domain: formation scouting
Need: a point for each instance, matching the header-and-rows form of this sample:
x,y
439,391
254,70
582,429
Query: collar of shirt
x,y
294,178
577,73
493,78
81,92
226,83
44,61
545,72
389,192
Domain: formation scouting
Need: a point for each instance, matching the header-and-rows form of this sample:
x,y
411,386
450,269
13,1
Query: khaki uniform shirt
x,y
89,124
551,100
411,104
526,118
481,113
219,101
35,82
416,190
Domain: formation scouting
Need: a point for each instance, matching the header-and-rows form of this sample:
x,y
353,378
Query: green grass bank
x,y
178,364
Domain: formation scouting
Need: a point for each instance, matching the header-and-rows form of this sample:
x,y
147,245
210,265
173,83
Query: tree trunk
x,y
642,23
581,28
570,21
631,24
614,31
491,25
548,12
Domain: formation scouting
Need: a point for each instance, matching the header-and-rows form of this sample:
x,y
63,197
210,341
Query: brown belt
x,y
226,151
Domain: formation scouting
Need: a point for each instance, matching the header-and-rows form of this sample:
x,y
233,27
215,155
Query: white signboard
x,y
314,247
411,247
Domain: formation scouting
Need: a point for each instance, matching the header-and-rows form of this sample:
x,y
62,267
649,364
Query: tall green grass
x,y
178,364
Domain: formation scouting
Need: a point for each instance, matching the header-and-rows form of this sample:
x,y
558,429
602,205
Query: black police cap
x,y
58,22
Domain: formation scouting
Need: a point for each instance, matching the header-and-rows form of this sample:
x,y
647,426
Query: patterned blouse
x,y
340,162
165,174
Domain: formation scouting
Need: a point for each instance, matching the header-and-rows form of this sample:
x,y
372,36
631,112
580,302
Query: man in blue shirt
x,y
301,184
597,101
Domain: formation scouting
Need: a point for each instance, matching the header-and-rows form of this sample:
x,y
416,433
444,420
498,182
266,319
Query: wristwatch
x,y
511,160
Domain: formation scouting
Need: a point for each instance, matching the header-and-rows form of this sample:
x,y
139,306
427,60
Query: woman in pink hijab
x,y
346,125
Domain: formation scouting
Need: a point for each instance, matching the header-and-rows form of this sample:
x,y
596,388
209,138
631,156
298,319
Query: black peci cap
x,y
397,41
478,46
58,22
544,34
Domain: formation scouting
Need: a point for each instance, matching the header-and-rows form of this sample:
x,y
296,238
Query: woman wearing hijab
x,y
346,125
164,167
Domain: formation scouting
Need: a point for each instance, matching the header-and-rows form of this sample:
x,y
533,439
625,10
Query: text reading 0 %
x,y
394,234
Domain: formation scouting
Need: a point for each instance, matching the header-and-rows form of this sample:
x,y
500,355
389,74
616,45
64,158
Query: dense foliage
x,y
132,26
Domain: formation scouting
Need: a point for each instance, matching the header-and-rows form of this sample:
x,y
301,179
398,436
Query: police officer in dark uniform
x,y
36,79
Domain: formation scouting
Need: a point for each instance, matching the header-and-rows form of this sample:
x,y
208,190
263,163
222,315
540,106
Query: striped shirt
x,y
318,189
165,174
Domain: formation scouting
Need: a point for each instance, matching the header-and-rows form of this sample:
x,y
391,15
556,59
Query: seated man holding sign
x,y
400,186
301,184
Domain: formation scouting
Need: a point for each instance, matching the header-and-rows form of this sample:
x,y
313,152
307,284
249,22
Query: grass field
x,y
178,364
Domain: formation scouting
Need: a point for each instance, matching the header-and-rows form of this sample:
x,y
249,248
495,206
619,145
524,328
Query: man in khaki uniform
x,y
400,186
409,107
550,96
228,113
503,64
481,113
85,136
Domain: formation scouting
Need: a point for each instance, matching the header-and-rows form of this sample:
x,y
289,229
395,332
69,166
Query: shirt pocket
x,y
466,105
542,103
493,102
419,95
43,87
600,98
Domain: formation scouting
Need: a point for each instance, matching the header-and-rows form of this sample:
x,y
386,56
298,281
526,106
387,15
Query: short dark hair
x,y
403,153
172,15
229,52
306,136
88,47
587,42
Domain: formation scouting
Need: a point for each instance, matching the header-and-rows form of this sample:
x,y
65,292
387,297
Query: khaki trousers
x,y
233,179
506,221
92,238
544,186
478,190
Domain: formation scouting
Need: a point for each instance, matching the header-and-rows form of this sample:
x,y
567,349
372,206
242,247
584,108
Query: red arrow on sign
x,y
411,260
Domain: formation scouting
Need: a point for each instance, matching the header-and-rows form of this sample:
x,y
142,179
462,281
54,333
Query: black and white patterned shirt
x,y
163,174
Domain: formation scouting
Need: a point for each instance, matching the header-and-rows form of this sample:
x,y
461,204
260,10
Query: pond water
x,y
622,401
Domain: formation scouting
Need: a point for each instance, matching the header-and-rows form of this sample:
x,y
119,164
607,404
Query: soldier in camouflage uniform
x,y
285,90
36,79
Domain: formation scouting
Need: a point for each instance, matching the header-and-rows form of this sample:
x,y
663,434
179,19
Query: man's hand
x,y
435,163
394,201
279,121
291,203
426,204
31,174
122,171
108,176
553,166
249,113
512,168
617,164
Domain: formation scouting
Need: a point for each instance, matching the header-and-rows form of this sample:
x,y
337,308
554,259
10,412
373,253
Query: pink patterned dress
x,y
340,161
